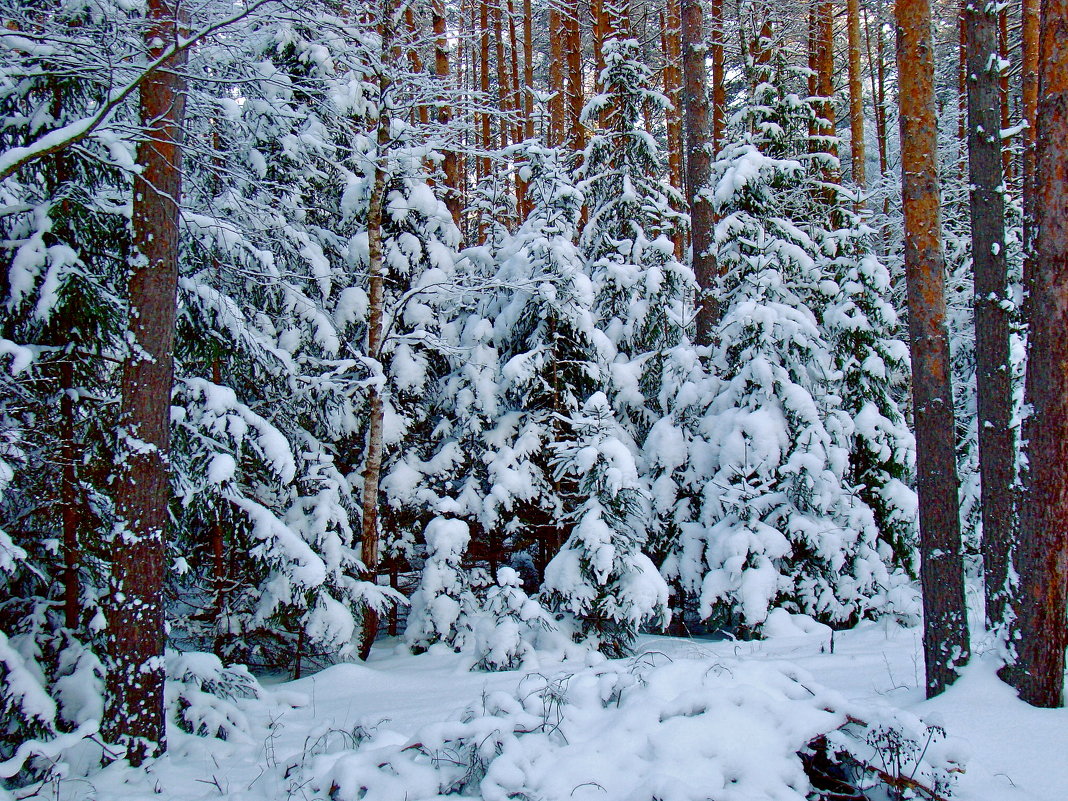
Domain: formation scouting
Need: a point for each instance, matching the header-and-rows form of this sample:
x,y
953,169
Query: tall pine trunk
x,y
451,166
997,447
133,714
856,97
945,636
1029,98
698,166
69,500
719,89
1042,560
576,97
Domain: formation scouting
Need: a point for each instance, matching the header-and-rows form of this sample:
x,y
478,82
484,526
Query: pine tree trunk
x,y
825,90
504,90
945,639
528,67
856,98
133,714
220,581
699,167
1006,97
599,29
69,502
1029,92
669,46
1042,561
879,97
719,89
484,81
451,165
556,78
997,447
962,88
575,93
415,60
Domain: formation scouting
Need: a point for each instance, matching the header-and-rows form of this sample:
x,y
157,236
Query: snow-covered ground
x,y
305,733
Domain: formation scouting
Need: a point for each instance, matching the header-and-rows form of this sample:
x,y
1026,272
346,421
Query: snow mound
x,y
643,729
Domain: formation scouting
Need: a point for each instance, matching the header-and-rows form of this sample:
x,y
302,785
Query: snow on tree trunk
x,y
941,570
134,713
1040,632
993,367
698,167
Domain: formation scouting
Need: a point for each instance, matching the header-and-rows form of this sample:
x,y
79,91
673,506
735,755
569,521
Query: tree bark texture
x,y
699,167
576,97
133,714
719,89
69,500
997,446
1029,98
945,638
372,462
1042,560
556,78
451,166
856,97
828,137
669,44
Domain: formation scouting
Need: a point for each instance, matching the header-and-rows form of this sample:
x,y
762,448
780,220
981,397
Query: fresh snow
x,y
682,718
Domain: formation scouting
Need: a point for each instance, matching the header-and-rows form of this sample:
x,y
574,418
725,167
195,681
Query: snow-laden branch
x,y
74,132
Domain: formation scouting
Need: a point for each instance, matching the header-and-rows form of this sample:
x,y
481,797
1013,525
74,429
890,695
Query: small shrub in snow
x,y
900,752
443,605
512,620
204,696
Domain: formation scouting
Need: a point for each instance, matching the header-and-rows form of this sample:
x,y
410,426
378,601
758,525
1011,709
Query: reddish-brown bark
x,y
856,96
451,165
699,166
1042,561
719,89
576,97
945,638
133,715
1029,110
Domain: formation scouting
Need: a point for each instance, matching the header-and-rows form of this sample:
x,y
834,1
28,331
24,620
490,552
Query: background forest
x,y
512,325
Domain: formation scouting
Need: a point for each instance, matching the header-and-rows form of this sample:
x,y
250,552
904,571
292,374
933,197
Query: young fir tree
x,y
600,574
551,356
443,606
781,522
641,288
511,621
269,381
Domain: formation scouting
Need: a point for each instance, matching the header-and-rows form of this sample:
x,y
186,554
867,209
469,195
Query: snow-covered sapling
x,y
512,620
443,605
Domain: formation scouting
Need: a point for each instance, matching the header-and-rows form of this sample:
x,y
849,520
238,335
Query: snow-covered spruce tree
x,y
269,379
641,288
601,575
443,607
422,314
781,524
874,363
552,360
507,631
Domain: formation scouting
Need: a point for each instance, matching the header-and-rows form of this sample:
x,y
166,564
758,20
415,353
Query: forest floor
x,y
1011,752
